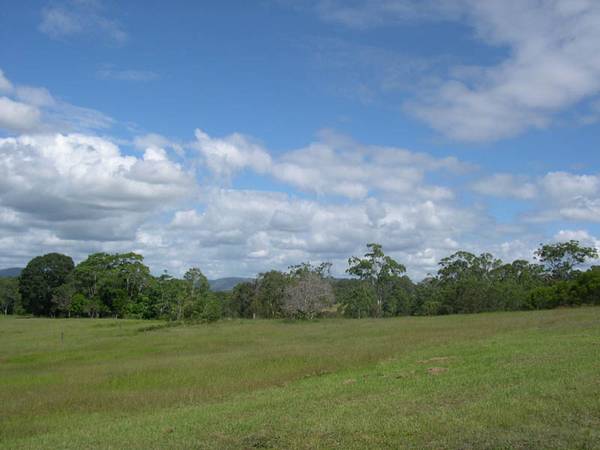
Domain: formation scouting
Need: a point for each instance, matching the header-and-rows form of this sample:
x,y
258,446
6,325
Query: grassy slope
x,y
503,380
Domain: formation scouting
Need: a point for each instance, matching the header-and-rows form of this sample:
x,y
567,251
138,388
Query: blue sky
x,y
241,136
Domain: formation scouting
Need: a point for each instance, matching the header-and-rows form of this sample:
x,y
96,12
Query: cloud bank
x,y
66,188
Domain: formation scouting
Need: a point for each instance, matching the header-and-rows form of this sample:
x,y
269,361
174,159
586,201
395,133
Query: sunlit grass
x,y
490,380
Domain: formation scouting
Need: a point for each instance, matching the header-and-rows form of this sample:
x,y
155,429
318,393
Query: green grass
x,y
501,380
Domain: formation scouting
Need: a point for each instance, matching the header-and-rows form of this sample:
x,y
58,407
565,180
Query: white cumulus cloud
x,y
79,185
18,117
334,165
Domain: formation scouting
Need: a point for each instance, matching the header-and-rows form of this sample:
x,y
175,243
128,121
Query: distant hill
x,y
10,272
226,284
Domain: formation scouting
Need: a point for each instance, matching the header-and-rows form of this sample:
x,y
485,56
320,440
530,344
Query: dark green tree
x,y
173,295
377,270
40,279
587,286
196,294
400,295
212,309
62,298
465,281
115,284
512,284
355,298
243,299
428,297
270,293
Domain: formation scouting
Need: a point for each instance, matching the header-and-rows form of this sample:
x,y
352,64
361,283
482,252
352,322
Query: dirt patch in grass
x,y
405,374
317,373
436,370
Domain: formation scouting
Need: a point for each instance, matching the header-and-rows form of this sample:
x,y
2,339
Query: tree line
x,y
121,285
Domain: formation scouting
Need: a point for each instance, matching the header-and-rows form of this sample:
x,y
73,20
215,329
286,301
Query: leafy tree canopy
x,y
39,280
561,258
377,270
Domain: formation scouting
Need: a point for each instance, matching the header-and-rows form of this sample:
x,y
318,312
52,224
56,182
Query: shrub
x,y
212,310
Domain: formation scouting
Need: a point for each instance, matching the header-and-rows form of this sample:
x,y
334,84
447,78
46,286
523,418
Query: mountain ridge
x,y
10,272
226,283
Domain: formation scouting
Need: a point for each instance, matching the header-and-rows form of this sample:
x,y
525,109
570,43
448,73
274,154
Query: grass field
x,y
500,380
